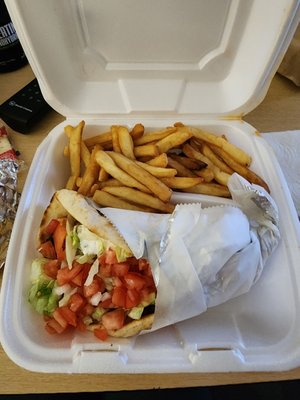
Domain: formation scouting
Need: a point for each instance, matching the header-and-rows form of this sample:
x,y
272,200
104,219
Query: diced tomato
x,y
134,280
97,285
146,292
120,269
107,303
101,333
105,270
110,257
47,250
81,326
119,296
80,278
49,229
114,319
133,298
87,310
68,315
76,302
51,268
52,327
60,318
59,237
118,282
149,282
65,275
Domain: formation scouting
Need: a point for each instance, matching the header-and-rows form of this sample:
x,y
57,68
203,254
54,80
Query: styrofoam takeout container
x,y
121,62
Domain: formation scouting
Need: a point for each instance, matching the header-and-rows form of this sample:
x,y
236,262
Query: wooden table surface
x,y
280,110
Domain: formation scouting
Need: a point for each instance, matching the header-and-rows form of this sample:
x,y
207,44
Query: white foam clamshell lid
x,y
111,77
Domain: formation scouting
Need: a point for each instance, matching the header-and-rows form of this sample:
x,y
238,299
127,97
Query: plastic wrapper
x,y
202,257
9,197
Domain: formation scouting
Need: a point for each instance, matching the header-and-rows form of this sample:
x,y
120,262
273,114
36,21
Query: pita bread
x,y
83,212
55,210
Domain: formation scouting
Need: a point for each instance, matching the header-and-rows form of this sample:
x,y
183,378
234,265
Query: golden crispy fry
x,y
181,169
189,163
71,184
173,140
75,137
154,136
208,152
106,199
146,150
137,131
182,182
125,142
93,189
106,162
212,189
237,154
103,175
115,139
240,169
206,174
138,197
110,182
159,161
220,176
85,153
105,139
78,181
143,176
91,173
158,171
98,139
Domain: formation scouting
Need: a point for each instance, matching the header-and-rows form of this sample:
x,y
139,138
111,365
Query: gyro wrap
x,y
202,257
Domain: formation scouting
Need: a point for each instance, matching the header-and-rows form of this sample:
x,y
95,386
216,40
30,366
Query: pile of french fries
x,y
138,170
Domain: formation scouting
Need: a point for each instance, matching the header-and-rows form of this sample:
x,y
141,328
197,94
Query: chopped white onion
x,y
95,299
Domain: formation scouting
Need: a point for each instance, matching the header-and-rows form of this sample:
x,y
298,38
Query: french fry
x,y
180,168
101,139
75,137
103,175
110,182
93,189
78,181
146,150
220,176
206,174
106,162
189,163
158,171
71,183
173,140
237,154
125,142
108,200
91,173
208,152
85,153
115,139
154,136
182,182
141,175
211,189
133,195
240,169
137,131
105,139
159,161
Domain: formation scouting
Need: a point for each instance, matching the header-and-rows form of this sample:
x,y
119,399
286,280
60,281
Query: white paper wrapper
x,y
202,257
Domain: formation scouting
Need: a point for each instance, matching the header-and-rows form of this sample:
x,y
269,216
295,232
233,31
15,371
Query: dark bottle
x,y
12,55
